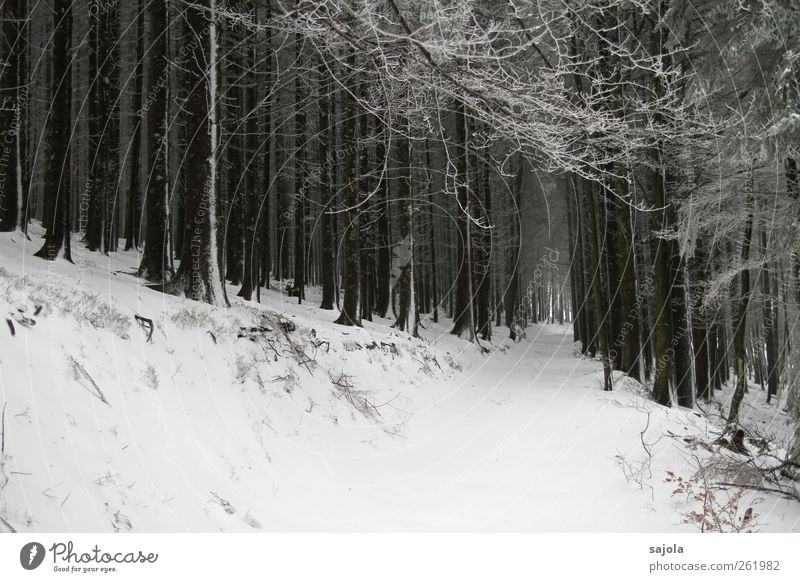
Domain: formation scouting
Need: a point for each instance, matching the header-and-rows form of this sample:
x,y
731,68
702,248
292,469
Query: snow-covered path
x,y
524,442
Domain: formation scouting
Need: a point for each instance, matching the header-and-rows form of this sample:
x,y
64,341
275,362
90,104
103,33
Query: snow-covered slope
x,y
304,425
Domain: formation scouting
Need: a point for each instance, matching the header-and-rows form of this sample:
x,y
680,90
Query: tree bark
x,y
740,323
198,275
155,264
58,194
463,324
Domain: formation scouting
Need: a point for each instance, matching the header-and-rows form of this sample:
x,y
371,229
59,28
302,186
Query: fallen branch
x,y
301,356
786,493
86,375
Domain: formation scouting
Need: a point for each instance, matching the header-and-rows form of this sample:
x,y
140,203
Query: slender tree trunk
x,y
742,304
133,212
266,175
681,340
463,324
434,271
300,185
327,189
252,210
384,261
484,255
155,261
513,255
629,304
770,322
351,305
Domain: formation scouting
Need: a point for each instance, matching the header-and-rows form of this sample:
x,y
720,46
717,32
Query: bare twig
x,y
8,525
86,375
146,322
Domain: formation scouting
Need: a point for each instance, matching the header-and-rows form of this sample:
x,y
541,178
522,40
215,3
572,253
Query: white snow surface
x,y
206,431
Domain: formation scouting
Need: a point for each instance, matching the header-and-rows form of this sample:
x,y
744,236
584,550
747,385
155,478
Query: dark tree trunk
x,y
681,340
406,313
513,256
366,244
155,261
327,189
300,185
58,195
740,322
484,247
133,212
384,260
463,324
198,274
601,309
99,224
629,305
252,207
13,102
266,175
661,283
770,322
434,295
351,305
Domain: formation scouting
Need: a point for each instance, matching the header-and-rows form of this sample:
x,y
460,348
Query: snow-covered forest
x,y
370,265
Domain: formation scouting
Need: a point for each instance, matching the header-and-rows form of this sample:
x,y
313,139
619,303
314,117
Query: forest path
x,y
523,441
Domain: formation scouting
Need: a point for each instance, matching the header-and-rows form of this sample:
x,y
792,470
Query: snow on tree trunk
x,y
198,275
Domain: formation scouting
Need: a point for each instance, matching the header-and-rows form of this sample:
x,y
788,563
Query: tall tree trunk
x,y
463,324
681,340
266,174
351,305
327,189
300,185
484,255
13,102
384,260
514,254
155,261
198,275
701,339
601,309
407,312
252,210
629,304
661,283
58,194
103,121
770,322
133,212
434,271
742,304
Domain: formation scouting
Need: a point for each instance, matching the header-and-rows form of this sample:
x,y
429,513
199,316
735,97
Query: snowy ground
x,y
321,428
